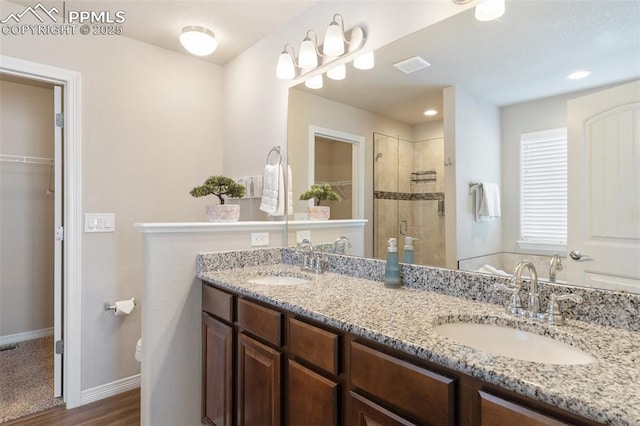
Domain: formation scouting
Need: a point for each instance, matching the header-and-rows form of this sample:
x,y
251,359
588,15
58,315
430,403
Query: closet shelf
x,y
4,158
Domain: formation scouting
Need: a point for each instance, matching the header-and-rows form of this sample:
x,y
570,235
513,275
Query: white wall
x,y
151,130
253,93
477,158
26,217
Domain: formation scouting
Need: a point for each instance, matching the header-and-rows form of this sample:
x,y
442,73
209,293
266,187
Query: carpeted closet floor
x,y
26,379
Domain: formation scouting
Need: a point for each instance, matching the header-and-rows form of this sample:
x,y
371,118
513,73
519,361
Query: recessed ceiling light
x,y
578,75
430,112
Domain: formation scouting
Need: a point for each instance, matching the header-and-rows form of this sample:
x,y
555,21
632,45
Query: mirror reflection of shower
x,y
408,196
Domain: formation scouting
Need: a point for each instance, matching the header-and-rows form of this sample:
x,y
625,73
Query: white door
x,y
604,189
57,251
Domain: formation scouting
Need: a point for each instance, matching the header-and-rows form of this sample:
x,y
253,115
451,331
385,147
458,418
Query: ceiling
x,y
237,24
524,55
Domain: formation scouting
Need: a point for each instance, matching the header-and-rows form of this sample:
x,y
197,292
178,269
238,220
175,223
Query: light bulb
x,y
314,82
285,69
308,57
364,62
333,40
489,10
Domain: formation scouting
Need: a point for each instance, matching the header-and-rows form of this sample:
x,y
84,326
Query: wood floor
x,y
121,410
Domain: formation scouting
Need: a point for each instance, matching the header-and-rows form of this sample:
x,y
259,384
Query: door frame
x,y
72,218
357,163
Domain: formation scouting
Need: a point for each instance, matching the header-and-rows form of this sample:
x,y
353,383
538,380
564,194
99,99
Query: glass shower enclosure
x,y
408,197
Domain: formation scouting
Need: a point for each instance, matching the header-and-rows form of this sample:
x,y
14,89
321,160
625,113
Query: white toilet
x,y
138,354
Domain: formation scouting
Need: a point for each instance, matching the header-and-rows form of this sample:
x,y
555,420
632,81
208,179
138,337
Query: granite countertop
x,y
607,391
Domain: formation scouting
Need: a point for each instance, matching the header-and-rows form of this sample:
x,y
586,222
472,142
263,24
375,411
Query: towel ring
x,y
275,149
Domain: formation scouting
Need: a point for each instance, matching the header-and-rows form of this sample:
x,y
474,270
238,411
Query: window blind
x,y
543,188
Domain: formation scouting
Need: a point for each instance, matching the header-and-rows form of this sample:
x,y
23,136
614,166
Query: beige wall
x,y
151,130
26,217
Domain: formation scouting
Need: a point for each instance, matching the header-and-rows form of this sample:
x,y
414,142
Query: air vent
x,y
412,65
8,347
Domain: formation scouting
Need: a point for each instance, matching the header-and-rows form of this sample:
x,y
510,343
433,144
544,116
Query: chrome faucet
x,y
310,260
555,264
533,309
346,241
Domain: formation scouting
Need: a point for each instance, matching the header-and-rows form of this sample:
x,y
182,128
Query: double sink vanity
x,y
287,346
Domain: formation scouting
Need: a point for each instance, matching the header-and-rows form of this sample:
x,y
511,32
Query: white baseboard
x,y
27,335
109,389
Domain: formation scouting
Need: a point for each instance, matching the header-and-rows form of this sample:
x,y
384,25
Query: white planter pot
x,y
318,212
223,213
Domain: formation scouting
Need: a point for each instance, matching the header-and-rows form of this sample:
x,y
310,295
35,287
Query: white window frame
x,y
534,234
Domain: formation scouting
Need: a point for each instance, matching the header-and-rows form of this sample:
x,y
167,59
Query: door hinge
x,y
59,347
59,120
60,233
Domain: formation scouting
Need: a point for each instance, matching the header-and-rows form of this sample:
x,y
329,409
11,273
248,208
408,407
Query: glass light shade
x,y
357,39
333,40
198,40
489,10
364,62
308,57
314,82
285,69
339,72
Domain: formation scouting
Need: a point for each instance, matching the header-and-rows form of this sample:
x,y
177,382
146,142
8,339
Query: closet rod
x,y
26,160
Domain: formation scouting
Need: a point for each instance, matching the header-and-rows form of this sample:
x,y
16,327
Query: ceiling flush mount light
x,y
336,46
577,75
199,41
488,10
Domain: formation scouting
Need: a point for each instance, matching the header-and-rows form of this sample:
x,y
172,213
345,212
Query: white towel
x,y
488,269
272,190
487,202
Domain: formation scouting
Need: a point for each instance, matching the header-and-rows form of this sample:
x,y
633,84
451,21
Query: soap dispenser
x,y
392,269
407,254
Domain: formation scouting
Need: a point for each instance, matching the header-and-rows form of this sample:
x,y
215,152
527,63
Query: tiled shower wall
x,y
397,198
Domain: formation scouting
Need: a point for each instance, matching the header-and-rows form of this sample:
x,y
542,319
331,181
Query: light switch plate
x,y
259,239
99,222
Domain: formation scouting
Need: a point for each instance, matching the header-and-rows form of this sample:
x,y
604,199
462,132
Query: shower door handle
x,y
403,227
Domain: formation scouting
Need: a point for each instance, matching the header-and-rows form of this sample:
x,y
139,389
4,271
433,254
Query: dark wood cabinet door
x,y
217,358
312,399
259,383
366,413
496,411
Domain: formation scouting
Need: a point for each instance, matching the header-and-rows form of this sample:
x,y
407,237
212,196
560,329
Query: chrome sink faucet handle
x,y
555,264
533,309
309,254
345,240
554,314
515,304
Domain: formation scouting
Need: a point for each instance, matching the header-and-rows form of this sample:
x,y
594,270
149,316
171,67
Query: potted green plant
x,y
220,186
319,192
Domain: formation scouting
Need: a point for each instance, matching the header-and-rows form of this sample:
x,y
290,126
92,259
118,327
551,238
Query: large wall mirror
x,y
490,83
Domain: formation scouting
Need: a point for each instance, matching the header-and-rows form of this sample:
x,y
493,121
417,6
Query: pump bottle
x,y
407,254
392,269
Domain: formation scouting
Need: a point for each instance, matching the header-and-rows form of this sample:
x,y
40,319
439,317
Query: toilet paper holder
x,y
109,306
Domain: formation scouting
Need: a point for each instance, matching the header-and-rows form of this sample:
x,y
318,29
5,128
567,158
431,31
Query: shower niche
x,y
408,196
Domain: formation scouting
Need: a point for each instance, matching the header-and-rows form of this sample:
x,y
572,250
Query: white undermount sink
x,y
514,343
279,280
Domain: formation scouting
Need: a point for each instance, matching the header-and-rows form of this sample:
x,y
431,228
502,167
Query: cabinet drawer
x,y
313,344
217,302
312,399
426,396
497,411
260,321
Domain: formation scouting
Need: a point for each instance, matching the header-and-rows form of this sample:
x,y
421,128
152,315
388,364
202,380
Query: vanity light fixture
x,y
577,75
199,41
312,57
